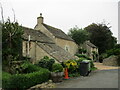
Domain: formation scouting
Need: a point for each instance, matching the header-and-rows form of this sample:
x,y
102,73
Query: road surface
x,y
96,79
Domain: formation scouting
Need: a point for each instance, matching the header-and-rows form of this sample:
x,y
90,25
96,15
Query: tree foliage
x,y
11,39
101,36
78,35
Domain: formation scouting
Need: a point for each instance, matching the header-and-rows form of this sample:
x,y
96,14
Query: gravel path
x,y
100,66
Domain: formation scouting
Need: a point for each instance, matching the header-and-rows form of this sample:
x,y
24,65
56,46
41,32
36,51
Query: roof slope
x,y
36,35
56,52
57,32
47,44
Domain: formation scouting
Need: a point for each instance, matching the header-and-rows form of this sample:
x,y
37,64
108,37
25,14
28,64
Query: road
x,y
96,79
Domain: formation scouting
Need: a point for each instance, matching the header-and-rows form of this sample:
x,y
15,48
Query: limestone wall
x,y
35,52
67,45
45,31
111,61
40,53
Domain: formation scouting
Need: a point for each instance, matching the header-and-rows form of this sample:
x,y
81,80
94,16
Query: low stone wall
x,y
111,61
43,86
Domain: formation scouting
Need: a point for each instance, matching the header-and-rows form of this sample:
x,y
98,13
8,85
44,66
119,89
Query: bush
x,y
118,60
82,51
83,56
6,80
28,67
56,67
46,62
76,74
24,81
102,56
25,67
92,64
71,65
81,59
113,52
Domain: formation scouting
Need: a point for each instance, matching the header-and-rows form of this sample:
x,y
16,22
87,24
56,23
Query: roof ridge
x,y
36,35
57,32
52,26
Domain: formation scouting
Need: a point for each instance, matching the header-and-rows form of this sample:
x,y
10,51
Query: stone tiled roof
x,y
47,44
90,44
57,32
35,35
56,52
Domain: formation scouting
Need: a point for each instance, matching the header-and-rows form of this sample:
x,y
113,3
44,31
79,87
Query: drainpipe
x,y
28,45
35,51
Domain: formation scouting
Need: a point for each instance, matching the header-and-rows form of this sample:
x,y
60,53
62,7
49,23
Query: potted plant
x,y
57,72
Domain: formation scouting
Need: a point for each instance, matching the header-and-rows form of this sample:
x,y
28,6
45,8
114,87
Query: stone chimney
x,y
40,19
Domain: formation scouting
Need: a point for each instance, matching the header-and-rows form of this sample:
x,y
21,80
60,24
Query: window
x,y
66,48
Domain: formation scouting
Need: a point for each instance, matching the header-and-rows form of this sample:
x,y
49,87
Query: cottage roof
x,y
36,35
90,44
57,32
56,52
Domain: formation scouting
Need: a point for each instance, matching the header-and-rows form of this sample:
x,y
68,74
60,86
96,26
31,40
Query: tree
x,y
78,35
101,36
11,40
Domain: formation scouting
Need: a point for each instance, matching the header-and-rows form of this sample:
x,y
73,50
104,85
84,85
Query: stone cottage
x,y
45,40
57,35
91,49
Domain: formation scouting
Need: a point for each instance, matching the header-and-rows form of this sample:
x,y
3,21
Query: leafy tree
x,y
101,36
78,35
11,40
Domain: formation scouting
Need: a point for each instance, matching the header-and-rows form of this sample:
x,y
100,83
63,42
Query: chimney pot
x,y
40,19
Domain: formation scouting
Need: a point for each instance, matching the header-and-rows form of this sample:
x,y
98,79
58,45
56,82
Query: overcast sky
x,y
63,14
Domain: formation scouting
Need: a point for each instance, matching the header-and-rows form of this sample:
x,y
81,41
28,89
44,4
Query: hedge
x,y
29,68
24,81
6,80
83,56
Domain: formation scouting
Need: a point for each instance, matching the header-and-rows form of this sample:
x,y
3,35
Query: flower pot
x,y
57,76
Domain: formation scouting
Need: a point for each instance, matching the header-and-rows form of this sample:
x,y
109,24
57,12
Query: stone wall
x,y
111,61
41,28
67,45
35,52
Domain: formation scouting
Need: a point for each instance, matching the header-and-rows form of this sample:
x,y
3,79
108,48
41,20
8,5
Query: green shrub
x,y
46,62
24,81
28,67
76,74
117,46
93,69
56,67
118,60
6,80
82,50
113,52
83,56
92,64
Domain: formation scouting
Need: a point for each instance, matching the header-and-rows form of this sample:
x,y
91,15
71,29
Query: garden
x,y
25,74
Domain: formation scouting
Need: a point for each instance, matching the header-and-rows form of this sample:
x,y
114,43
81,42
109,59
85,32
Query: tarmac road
x,y
96,79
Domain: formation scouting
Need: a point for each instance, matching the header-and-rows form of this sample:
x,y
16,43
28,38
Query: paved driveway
x,y
97,79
